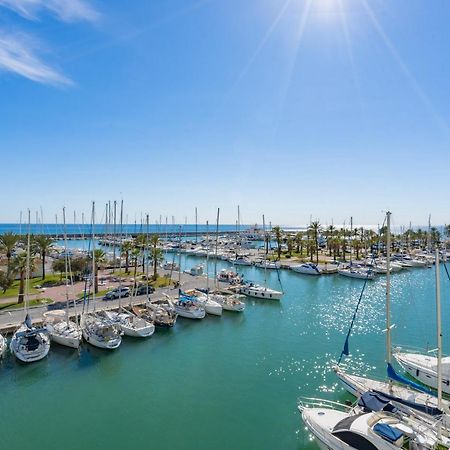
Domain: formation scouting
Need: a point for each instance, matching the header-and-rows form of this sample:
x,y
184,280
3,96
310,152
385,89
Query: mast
x,y
388,292
179,264
27,268
93,255
147,252
114,232
265,261
196,226
429,235
66,265
439,332
217,244
207,259
351,240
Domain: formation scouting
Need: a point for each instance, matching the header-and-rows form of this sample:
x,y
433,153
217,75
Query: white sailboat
x,y
29,344
267,264
403,396
98,331
231,302
3,345
257,291
357,272
433,371
307,269
189,308
60,328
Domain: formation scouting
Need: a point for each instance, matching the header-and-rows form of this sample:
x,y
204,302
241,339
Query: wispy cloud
x,y
19,55
66,10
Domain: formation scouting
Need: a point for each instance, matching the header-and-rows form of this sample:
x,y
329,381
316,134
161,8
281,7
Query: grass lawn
x,y
14,290
161,282
15,305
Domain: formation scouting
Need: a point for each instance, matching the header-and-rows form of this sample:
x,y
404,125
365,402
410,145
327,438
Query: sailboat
x,y
430,370
415,396
60,328
189,307
29,344
378,423
130,324
160,312
3,345
257,291
98,331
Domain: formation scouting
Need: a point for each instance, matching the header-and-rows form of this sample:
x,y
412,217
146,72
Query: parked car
x,y
119,292
142,289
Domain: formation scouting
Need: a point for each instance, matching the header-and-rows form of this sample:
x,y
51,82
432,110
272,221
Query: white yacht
x,y
100,332
307,269
211,306
241,261
424,367
357,429
2,345
189,309
62,330
231,302
30,344
257,291
228,276
130,324
354,272
266,264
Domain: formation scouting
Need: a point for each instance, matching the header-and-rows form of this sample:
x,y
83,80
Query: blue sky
x,y
292,108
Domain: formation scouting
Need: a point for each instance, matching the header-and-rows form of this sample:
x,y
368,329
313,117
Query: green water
x,y
220,383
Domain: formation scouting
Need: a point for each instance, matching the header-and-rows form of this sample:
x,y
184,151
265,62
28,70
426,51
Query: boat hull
x,y
262,294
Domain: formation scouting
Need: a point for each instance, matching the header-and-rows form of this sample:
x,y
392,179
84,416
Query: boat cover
x,y
387,432
372,401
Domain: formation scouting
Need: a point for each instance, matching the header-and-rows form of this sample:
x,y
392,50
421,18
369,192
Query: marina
x,y
263,351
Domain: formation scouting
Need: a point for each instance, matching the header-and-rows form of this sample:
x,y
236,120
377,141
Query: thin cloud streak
x,y
17,56
65,10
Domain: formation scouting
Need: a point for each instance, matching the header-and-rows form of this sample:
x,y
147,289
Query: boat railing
x,y
311,402
415,350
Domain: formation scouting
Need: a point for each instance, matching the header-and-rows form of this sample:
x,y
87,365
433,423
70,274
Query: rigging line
x,y
446,270
345,349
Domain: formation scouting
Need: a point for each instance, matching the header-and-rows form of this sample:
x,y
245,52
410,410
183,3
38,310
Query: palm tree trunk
x,y
127,262
43,265
96,279
21,286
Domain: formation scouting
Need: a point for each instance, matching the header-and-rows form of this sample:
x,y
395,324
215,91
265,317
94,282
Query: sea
x,y
230,382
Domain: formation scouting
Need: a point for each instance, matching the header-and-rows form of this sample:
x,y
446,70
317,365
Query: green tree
x,y
127,247
6,281
8,242
41,244
315,229
156,254
141,241
59,265
19,266
278,233
298,240
100,258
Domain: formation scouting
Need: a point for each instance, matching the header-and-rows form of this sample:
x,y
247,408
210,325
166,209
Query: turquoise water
x,y
222,383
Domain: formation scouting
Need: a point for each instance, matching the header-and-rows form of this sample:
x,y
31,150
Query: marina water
x,y
223,382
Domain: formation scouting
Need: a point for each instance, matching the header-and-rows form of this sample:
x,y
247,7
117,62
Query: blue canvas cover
x,y
372,401
387,432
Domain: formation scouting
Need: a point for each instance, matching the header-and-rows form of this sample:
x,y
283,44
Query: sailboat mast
x,y
93,255
265,262
439,331
388,290
216,246
66,265
27,268
196,226
207,259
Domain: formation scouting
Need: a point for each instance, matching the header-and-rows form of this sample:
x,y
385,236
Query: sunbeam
x,y
423,97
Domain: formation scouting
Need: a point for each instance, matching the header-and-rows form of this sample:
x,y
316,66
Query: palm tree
x,y
6,281
8,241
141,241
127,246
100,258
298,240
19,265
290,244
315,229
278,232
42,244
156,254
330,236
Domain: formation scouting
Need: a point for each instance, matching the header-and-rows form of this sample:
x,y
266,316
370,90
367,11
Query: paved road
x,y
9,320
